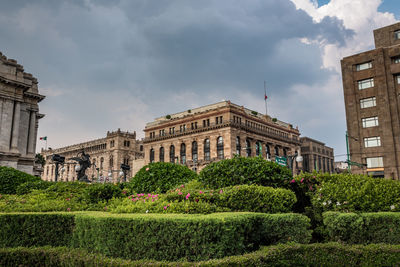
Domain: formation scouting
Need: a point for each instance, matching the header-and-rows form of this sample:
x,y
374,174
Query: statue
x,y
84,162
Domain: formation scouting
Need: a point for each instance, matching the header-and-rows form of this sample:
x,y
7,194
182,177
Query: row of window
x,y
368,65
320,163
206,147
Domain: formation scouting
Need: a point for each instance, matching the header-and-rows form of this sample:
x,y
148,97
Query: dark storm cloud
x,y
107,59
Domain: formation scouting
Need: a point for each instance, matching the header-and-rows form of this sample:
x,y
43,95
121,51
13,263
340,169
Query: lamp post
x,y
291,158
348,150
57,159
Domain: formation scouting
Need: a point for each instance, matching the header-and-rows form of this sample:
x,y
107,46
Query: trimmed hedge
x,y
11,178
241,170
190,237
363,228
154,236
35,229
328,254
160,177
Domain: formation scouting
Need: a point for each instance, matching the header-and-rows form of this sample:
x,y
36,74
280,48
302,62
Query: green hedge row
x,y
363,228
154,236
328,254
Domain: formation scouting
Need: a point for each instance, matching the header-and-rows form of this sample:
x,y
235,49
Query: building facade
x,y
19,116
106,155
219,131
371,85
316,156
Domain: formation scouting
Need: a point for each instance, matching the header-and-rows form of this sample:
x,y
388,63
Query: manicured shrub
x,y
357,193
27,187
35,229
160,177
173,237
11,178
67,189
240,170
257,199
102,192
363,228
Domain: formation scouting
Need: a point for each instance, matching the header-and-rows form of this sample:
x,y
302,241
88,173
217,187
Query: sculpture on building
x,y
83,160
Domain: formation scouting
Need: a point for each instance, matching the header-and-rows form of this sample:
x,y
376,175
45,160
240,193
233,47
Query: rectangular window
x,y
204,123
396,60
370,122
372,141
368,102
364,66
364,84
397,35
398,78
375,162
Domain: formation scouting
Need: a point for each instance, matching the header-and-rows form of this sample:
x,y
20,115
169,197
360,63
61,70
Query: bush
x,y
160,177
363,228
357,193
38,229
257,199
329,254
11,178
27,187
102,192
240,170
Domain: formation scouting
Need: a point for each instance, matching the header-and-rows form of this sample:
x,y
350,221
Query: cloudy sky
x,y
106,64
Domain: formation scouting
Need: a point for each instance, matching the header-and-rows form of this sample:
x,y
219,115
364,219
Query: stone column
x,y
32,133
15,131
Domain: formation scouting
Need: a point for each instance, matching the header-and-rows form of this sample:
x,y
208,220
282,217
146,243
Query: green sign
x,y
280,160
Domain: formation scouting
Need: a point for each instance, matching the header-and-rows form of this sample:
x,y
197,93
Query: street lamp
x,y
292,158
57,159
348,153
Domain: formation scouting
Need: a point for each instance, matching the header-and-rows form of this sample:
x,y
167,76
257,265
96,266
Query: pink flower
x,y
147,169
220,191
68,209
311,188
124,192
183,185
197,200
144,200
292,181
105,208
67,199
200,192
188,195
302,180
165,207
152,200
179,193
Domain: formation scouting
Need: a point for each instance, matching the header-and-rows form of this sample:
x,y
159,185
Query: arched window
x,y
111,162
172,154
161,154
194,152
258,149
276,151
268,151
183,153
285,152
207,149
220,147
141,147
248,148
238,148
151,155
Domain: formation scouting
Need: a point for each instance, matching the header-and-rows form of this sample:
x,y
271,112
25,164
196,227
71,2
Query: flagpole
x,y
265,98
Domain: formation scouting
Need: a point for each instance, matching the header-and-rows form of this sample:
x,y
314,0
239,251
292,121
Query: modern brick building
x,y
210,133
316,156
371,84
19,116
107,154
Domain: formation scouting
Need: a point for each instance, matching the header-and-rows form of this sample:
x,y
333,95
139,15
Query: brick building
x,y
371,84
316,156
210,133
19,116
107,154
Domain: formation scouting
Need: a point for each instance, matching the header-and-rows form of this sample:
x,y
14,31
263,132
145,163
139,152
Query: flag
x,y
265,96
265,91
43,138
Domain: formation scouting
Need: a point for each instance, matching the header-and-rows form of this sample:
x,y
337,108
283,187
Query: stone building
x,y
371,85
106,154
19,116
316,156
219,131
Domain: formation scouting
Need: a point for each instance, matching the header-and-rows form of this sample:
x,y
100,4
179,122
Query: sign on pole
x,y
280,160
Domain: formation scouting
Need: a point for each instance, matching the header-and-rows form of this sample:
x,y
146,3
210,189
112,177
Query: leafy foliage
x,y
11,178
241,170
102,192
160,177
27,187
363,228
